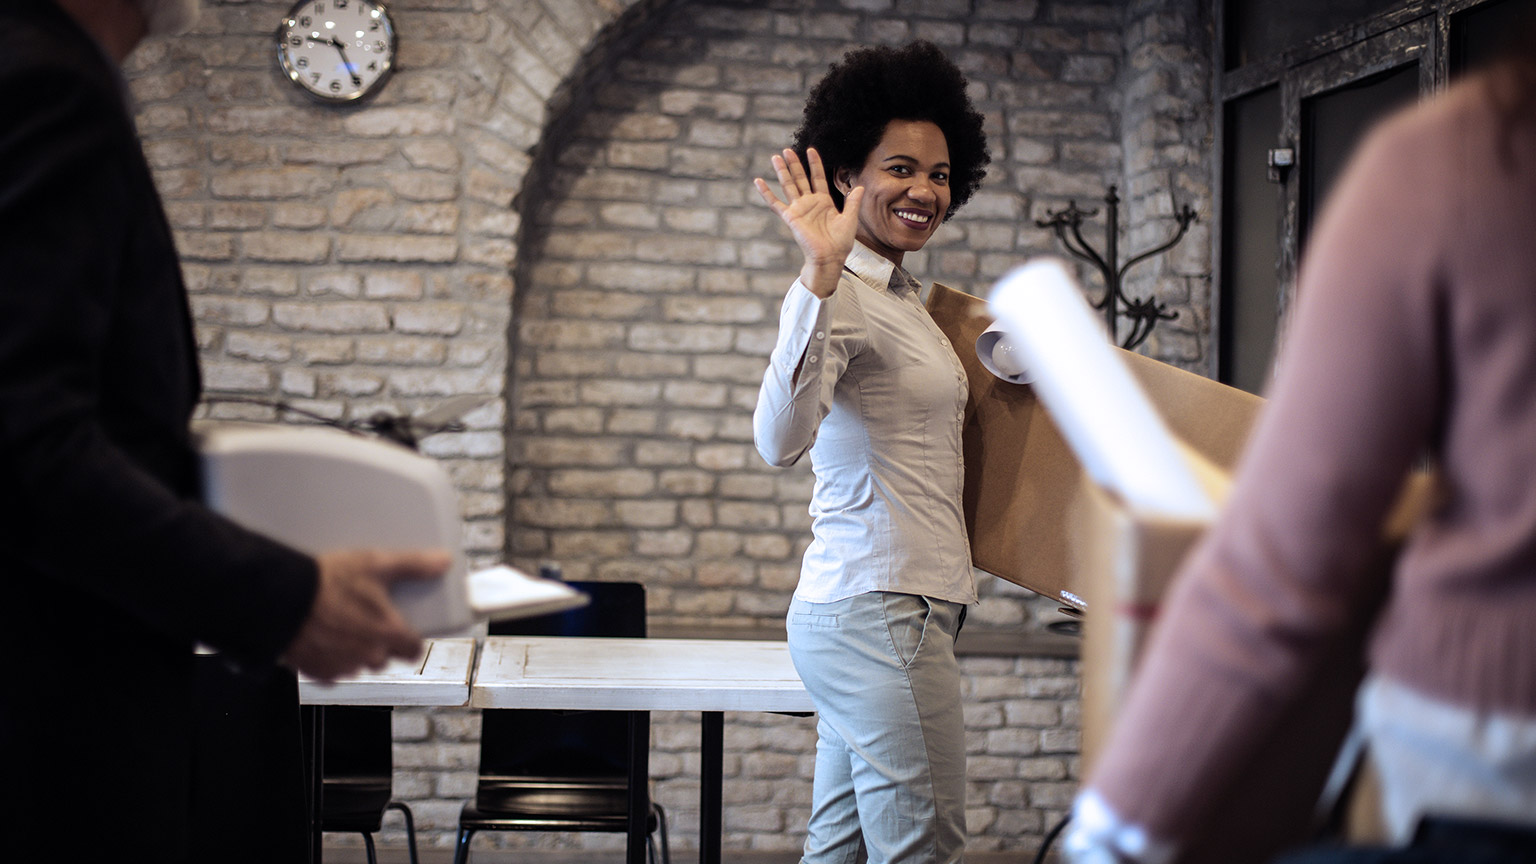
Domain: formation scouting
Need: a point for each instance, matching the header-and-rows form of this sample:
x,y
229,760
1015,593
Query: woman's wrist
x,y
820,279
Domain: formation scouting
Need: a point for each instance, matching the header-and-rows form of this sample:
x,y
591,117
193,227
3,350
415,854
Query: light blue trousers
x,y
890,750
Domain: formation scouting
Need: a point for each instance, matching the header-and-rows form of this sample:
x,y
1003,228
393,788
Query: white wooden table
x,y
440,677
604,674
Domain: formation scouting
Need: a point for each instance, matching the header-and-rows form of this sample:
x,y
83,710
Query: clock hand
x,y
340,49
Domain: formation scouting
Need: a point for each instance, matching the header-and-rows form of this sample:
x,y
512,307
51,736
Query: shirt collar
x,y
870,266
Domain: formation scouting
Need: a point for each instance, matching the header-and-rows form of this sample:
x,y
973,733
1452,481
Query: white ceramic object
x,y
316,488
1000,357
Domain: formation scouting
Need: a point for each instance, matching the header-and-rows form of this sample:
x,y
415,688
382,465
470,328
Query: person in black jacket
x,y
113,569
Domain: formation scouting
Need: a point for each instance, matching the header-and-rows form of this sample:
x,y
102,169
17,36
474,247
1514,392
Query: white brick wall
x,y
549,205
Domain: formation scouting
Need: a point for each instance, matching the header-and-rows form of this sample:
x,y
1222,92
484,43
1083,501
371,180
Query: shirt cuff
x,y
1098,835
803,327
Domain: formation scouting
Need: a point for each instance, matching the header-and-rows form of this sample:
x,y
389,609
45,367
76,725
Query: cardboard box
x,y
1020,475
1035,519
1127,562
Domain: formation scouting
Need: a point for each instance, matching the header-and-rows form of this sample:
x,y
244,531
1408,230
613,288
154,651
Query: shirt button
x,y
944,342
812,358
820,334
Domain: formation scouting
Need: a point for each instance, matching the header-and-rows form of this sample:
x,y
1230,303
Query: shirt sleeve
x,y
817,339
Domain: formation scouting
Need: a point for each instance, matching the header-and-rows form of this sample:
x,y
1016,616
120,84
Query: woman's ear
x,y
842,178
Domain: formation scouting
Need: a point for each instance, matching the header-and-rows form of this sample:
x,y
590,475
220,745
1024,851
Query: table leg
x,y
711,823
313,718
639,784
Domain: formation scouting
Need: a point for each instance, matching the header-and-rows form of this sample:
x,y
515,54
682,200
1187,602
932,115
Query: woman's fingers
x,y
796,179
807,207
768,197
797,173
818,172
781,167
851,201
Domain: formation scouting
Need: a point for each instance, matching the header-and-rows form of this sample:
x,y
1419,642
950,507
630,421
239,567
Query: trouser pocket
x,y
907,621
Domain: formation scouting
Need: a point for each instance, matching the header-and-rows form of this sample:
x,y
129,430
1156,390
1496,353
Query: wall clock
x,y
336,50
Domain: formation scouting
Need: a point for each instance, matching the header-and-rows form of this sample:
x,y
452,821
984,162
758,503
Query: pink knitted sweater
x,y
1414,333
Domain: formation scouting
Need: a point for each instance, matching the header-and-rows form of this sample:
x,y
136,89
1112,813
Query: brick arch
x,y
649,280
370,257
532,81
526,75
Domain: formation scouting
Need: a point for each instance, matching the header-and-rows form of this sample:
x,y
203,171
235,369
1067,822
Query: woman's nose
x,y
921,191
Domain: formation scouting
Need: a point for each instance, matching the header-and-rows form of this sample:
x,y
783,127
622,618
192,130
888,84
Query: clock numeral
x,y
380,46
335,85
314,77
305,21
341,4
319,8
374,26
295,41
302,62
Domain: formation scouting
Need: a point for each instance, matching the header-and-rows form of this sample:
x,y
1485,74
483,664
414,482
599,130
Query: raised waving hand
x,y
824,234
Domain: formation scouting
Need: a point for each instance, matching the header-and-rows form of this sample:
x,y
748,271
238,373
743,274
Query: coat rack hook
x,y
1143,312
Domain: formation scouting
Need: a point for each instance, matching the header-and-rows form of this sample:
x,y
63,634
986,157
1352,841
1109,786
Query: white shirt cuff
x,y
1098,835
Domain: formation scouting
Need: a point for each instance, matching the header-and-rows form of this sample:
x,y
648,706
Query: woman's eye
x,y
900,170
940,176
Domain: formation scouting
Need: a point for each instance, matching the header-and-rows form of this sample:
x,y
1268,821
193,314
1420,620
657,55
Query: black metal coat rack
x,y
1144,312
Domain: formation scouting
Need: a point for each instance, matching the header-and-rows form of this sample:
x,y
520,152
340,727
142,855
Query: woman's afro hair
x,y
848,110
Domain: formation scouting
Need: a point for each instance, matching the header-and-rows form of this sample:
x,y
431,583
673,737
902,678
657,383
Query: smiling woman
x,y
863,380
906,188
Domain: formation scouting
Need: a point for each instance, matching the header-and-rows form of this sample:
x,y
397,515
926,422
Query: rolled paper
x,y
1102,412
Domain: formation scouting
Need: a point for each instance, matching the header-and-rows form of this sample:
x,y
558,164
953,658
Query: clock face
x,y
336,50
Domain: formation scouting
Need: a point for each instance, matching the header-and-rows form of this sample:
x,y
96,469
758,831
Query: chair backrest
x,y
615,609
566,744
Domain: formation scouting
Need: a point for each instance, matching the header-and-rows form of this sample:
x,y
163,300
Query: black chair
x,y
357,775
546,770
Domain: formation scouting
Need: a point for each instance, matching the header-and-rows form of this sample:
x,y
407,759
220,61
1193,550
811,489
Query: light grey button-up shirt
x,y
879,401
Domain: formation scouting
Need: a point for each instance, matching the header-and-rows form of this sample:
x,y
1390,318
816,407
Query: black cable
x,y
1050,837
280,405
399,428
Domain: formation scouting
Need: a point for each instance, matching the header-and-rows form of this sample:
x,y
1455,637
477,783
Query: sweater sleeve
x,y
1281,578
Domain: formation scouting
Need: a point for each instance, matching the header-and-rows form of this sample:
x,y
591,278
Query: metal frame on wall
x,y
1416,31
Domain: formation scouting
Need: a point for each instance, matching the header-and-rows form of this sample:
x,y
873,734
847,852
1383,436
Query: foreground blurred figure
x,y
113,570
1415,334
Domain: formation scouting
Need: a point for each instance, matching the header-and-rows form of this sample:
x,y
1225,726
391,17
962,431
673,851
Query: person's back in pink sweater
x,y
1415,334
